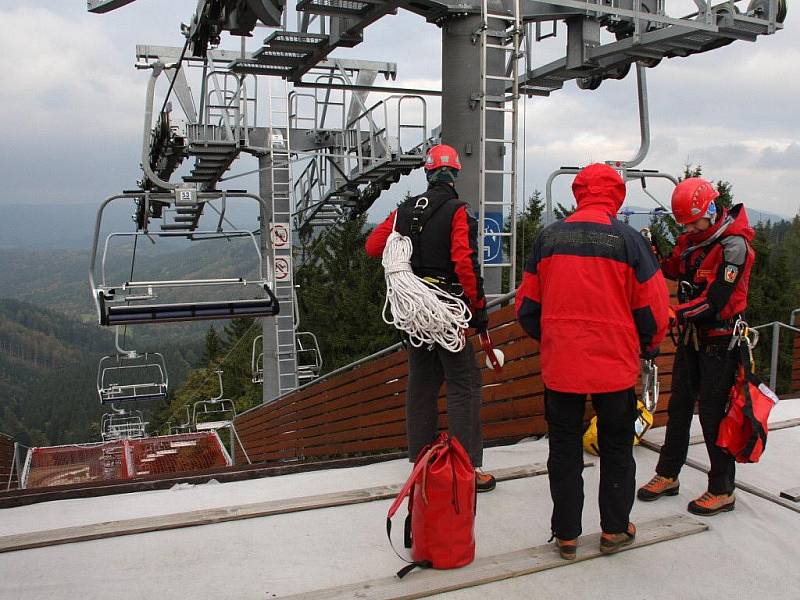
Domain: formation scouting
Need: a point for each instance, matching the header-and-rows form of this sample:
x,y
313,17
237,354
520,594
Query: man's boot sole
x,y
711,513
669,492
617,547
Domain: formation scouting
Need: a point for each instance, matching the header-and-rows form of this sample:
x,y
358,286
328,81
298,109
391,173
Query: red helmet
x,y
442,155
693,199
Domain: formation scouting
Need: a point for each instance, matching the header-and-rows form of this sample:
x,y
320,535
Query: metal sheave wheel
x,y
760,8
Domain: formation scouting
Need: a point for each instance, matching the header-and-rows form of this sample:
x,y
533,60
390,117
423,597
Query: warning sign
x,y
283,268
279,233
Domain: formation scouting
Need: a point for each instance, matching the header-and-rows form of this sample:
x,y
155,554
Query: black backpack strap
x,y
424,209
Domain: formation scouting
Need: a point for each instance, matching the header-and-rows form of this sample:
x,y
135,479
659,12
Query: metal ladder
x,y
279,152
498,215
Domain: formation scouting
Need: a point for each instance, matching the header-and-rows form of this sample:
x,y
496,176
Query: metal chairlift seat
x,y
122,424
185,427
122,303
213,414
132,377
309,358
257,361
222,410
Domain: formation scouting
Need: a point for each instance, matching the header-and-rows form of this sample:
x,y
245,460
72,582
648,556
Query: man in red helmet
x,y
444,236
594,297
711,262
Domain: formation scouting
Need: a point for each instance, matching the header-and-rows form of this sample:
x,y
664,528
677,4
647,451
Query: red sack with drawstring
x,y
743,430
440,524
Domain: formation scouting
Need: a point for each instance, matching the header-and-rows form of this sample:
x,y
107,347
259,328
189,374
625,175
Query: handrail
x,y
776,336
388,350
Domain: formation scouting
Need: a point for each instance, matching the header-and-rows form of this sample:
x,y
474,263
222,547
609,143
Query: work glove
x,y
480,320
649,354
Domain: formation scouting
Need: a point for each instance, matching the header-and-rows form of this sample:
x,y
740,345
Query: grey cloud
x,y
776,158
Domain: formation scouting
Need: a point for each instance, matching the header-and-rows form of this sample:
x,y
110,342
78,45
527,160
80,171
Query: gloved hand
x,y
673,318
650,354
480,319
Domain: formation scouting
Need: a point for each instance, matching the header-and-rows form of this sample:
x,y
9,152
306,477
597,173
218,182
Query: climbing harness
x,y
420,308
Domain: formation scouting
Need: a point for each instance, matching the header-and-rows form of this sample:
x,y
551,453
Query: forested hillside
x,y
48,369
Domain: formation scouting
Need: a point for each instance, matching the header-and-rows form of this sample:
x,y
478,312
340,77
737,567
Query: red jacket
x,y
715,266
592,293
462,252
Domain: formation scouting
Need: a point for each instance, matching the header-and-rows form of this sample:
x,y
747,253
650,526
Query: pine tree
x,y
213,347
529,225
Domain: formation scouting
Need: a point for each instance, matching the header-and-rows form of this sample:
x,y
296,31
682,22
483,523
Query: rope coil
x,y
428,314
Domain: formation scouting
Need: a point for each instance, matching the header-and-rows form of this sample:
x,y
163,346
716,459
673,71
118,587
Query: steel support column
x,y
461,85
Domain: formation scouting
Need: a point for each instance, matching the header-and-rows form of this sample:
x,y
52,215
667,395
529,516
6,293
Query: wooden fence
x,y
796,365
361,410
6,460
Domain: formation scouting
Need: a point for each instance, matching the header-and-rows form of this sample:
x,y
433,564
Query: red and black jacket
x,y
592,293
713,272
444,237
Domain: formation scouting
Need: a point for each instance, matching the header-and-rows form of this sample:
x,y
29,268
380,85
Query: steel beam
x,y
173,53
104,6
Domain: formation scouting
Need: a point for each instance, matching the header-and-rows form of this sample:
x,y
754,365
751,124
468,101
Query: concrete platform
x,y
753,550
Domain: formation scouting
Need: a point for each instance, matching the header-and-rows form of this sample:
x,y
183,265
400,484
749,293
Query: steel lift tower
x,y
325,154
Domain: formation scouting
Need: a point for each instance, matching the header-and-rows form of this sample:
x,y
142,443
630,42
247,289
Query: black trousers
x,y
427,370
616,414
705,376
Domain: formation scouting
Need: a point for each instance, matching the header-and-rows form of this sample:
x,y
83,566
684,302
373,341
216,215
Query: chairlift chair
x,y
122,424
309,358
185,427
134,302
218,413
130,376
213,414
627,168
257,360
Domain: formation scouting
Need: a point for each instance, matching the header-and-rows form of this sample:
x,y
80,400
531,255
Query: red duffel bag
x,y
440,524
743,430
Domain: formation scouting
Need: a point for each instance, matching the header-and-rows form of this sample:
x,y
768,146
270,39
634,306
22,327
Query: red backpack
x,y
439,527
743,430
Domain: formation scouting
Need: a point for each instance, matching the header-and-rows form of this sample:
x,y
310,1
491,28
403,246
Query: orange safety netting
x,y
121,460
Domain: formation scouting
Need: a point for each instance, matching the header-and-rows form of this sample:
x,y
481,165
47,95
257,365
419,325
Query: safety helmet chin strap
x,y
442,175
711,212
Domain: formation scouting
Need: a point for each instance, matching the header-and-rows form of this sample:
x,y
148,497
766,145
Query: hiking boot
x,y
568,549
710,504
658,486
613,542
484,482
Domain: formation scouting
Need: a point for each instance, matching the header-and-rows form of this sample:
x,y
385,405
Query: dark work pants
x,y
427,369
616,414
705,376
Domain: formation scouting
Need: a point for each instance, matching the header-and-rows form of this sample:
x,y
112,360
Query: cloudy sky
x,y
73,104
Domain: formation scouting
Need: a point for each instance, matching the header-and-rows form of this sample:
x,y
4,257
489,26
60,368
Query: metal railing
x,y
776,337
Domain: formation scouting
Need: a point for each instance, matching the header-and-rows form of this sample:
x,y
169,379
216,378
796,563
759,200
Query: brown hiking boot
x,y
484,482
613,542
658,486
710,504
568,549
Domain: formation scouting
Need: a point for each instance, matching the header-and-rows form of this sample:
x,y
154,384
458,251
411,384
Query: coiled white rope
x,y
428,314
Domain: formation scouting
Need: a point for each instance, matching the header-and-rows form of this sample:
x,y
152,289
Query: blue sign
x,y
492,244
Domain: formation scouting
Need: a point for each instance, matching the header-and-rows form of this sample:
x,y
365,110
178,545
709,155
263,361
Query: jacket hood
x,y
735,222
600,187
